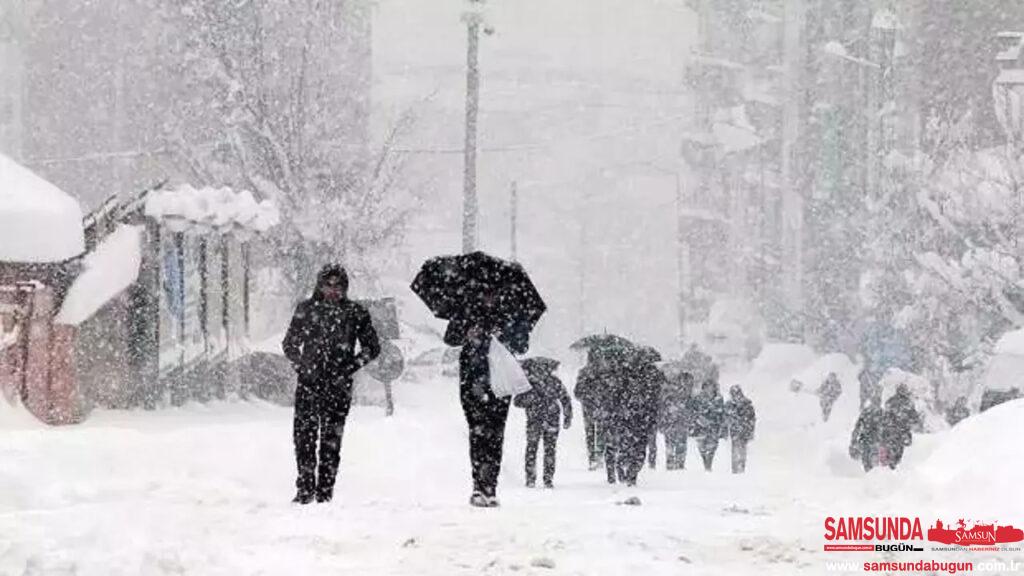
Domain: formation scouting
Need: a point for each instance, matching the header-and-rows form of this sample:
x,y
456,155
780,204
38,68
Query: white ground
x,y
205,490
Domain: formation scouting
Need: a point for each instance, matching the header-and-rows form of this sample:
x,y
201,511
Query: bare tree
x,y
278,104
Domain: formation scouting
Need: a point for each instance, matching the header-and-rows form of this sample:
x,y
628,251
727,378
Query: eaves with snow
x,y
39,223
221,210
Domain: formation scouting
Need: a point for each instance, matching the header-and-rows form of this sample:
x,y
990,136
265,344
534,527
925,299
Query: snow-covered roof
x,y
109,270
1013,42
221,209
886,19
38,222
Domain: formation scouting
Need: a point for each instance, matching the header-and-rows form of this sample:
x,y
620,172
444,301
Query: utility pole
x,y
514,218
470,204
682,262
792,200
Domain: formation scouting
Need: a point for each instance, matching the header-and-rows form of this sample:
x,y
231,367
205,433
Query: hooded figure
x,y
899,422
867,434
741,420
828,393
676,418
709,418
321,345
545,404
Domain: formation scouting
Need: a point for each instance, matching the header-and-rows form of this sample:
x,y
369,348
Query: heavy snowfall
x,y
591,287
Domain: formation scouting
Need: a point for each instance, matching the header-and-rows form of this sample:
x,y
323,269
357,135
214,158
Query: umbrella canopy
x,y
601,342
539,364
649,354
460,286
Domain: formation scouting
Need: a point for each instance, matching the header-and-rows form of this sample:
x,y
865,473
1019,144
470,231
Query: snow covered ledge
x,y
218,209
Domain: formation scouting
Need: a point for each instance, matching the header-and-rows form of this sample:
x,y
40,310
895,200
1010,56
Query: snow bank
x,y
109,270
977,464
38,222
1010,343
219,208
778,363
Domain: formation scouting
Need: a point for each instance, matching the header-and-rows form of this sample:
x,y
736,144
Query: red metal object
x,y
38,368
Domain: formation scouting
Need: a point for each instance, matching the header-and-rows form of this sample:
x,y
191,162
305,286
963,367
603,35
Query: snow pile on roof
x,y
886,19
38,222
220,208
978,462
109,270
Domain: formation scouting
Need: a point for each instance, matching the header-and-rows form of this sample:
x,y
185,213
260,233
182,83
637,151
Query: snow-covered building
x,y
41,242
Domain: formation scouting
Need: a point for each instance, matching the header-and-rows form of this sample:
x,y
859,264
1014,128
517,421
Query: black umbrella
x,y
459,286
600,342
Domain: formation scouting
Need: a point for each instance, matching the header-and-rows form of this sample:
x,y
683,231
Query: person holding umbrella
x,y
546,404
483,298
321,345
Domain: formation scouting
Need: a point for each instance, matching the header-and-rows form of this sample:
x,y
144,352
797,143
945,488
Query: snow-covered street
x,y
206,489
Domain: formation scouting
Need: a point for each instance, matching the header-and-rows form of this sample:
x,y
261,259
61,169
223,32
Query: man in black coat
x,y
590,391
898,424
866,439
676,418
632,406
708,418
486,413
741,420
545,404
321,345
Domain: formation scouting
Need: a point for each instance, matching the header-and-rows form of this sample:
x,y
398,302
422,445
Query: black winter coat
x,y
740,418
547,400
322,337
708,416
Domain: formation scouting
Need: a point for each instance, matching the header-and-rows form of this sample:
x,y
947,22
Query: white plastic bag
x,y
507,376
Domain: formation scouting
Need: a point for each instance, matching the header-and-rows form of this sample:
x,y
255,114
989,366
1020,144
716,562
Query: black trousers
x,y
537,429
594,435
708,445
319,423
486,416
625,451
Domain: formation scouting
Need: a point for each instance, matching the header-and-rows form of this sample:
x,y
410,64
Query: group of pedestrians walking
x,y
881,434
626,398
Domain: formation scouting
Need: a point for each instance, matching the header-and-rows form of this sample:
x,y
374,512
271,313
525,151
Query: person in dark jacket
x,y
741,421
898,425
486,413
546,404
866,439
589,390
632,406
321,345
958,411
709,416
676,418
828,393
